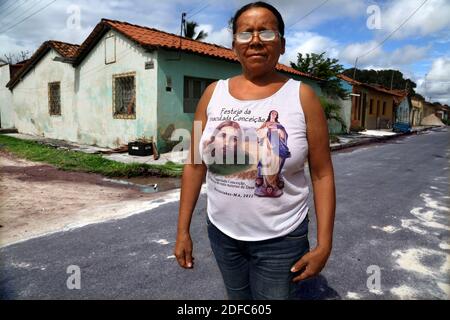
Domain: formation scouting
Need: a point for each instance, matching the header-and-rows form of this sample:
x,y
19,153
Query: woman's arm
x,y
191,183
322,178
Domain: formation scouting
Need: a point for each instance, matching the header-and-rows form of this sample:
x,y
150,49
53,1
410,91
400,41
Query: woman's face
x,y
258,57
273,115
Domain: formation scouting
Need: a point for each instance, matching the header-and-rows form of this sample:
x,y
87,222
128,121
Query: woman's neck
x,y
263,79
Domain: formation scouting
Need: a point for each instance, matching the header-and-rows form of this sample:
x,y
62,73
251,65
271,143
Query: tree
x,y
332,112
384,78
324,68
189,31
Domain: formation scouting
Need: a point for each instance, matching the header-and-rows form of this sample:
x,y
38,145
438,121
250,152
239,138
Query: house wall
x,y
30,99
345,113
170,104
403,112
376,119
93,115
6,100
416,112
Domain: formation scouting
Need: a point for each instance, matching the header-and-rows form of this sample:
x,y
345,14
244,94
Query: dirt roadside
x,y
37,199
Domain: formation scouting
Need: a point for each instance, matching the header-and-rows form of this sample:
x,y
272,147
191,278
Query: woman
x,y
260,243
274,151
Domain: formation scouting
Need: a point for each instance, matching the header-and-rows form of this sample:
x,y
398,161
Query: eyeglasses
x,y
264,35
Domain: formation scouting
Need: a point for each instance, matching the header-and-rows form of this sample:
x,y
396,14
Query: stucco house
x,y
122,83
7,71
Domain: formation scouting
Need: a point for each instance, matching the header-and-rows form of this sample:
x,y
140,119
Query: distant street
x,y
393,213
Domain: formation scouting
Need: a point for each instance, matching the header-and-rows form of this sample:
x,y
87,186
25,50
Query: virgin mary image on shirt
x,y
272,154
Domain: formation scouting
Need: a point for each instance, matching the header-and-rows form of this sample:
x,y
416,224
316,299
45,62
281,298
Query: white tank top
x,y
255,151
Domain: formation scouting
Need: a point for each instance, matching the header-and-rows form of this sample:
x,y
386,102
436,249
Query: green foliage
x,y
383,77
190,32
79,161
332,112
324,68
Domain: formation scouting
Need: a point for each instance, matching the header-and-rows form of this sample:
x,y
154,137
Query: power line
x,y
198,11
392,33
6,13
309,13
21,14
26,18
10,5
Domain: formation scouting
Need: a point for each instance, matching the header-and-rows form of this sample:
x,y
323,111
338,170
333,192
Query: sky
x,y
412,36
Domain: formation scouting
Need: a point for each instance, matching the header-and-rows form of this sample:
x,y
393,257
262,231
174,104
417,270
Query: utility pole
x,y
183,21
354,69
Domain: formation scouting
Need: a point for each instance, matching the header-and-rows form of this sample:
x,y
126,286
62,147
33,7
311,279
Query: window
x,y
124,96
371,106
193,90
54,98
384,108
110,49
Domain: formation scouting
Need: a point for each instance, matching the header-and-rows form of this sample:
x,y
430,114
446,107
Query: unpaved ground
x,y
37,199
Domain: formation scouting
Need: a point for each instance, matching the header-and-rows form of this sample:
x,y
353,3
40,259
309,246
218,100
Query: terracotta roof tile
x,y
66,50
153,38
379,88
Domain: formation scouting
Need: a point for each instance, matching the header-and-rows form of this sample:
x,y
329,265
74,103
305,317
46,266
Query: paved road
x,y
392,212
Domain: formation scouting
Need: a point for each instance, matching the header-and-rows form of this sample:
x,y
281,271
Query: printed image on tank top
x,y
249,153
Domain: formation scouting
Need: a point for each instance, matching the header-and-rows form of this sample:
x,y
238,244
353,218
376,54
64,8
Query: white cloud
x,y
436,84
429,19
379,58
308,42
407,54
350,52
222,37
292,11
51,23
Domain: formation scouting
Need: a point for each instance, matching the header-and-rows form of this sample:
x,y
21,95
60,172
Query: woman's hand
x,y
311,263
183,250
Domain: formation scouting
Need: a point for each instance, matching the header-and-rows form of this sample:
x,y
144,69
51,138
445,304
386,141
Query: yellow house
x,y
373,107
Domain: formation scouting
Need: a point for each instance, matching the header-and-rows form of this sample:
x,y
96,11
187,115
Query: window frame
x,y
205,82
122,115
50,84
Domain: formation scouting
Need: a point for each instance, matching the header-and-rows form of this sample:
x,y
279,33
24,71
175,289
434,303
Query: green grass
x,y
79,161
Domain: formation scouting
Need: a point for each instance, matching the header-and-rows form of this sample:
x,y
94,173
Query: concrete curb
x,y
376,139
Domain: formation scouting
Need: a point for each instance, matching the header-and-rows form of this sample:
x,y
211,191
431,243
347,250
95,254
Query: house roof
x,y
394,92
152,39
66,50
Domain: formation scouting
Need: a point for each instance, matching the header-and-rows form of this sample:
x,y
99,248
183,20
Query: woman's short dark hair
x,y
259,4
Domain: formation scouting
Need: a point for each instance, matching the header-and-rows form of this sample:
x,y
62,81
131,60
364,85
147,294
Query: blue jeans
x,y
259,270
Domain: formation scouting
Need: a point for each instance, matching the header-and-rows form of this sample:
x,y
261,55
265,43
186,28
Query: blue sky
x,y
345,29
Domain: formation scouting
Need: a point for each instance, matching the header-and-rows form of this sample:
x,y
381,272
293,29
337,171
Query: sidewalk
x,y
354,139
345,141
